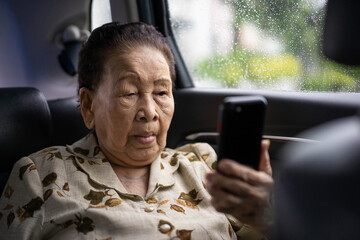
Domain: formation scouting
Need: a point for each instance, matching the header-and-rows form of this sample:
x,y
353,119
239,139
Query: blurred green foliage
x,y
332,77
273,68
299,24
240,65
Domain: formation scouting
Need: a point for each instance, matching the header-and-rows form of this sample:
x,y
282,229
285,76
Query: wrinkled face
x,y
133,107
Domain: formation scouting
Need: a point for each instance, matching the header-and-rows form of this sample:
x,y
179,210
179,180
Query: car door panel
x,y
288,114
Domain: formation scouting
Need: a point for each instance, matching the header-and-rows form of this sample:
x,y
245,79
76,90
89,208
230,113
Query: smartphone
x,y
240,127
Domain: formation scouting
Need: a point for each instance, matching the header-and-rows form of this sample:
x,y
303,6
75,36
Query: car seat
x,y
25,126
28,123
318,191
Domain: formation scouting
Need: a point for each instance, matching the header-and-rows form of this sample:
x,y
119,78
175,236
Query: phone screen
x,y
241,129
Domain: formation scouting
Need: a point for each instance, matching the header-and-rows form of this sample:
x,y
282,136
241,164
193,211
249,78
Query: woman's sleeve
x,y
244,231
21,204
200,152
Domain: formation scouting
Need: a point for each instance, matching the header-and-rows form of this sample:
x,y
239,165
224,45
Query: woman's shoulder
x,y
53,159
82,147
56,157
48,153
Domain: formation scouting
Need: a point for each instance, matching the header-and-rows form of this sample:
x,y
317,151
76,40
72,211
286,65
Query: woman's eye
x,y
162,93
130,94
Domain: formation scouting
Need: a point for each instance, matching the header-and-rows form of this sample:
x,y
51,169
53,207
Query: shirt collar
x,y
162,171
88,156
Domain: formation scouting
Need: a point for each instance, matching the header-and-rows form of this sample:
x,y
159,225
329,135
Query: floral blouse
x,y
72,192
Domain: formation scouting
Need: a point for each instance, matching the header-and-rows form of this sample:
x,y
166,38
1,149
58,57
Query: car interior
x,y
317,193
39,42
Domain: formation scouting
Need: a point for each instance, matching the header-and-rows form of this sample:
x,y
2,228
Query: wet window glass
x,y
258,44
100,13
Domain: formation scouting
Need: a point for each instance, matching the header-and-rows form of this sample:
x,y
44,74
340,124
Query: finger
x,y
240,188
228,203
247,174
264,164
225,202
209,177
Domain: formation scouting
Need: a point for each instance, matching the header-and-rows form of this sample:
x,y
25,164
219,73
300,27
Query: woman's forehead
x,y
133,79
136,59
138,65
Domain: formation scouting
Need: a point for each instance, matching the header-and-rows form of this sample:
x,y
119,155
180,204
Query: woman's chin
x,y
134,154
144,156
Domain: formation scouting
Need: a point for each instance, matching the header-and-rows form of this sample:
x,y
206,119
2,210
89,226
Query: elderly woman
x,y
120,182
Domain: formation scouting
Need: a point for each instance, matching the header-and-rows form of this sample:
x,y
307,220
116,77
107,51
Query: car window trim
x,y
199,135
157,14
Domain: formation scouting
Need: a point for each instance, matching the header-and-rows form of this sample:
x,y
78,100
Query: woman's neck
x,y
135,180
131,173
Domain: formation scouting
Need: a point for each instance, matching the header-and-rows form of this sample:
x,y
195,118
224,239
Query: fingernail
x,y
268,144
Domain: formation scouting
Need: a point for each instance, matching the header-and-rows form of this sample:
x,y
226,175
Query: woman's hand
x,y
242,191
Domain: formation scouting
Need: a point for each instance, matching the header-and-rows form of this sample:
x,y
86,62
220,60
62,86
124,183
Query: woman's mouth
x,y
145,139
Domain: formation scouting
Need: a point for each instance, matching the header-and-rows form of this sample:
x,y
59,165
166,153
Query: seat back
x,y
67,123
29,123
25,126
318,193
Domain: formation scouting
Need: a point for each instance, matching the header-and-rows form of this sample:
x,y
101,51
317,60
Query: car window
x,y
100,13
258,44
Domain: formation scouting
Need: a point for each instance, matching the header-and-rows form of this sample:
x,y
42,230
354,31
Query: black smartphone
x,y
241,123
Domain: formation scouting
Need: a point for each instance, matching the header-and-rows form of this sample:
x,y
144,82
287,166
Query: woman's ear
x,y
86,103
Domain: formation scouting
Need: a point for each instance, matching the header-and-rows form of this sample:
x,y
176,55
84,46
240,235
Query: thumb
x,y
264,164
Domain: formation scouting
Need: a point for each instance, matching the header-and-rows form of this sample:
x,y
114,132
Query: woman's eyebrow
x,y
162,81
130,76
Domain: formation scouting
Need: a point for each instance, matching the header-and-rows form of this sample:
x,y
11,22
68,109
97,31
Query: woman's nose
x,y
147,110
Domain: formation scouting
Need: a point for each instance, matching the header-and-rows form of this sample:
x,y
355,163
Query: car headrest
x,y
25,126
341,31
67,122
318,193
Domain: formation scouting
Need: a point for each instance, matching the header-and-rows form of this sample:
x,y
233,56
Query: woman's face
x,y
133,107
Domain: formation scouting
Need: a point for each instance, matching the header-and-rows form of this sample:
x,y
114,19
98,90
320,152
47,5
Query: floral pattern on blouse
x,y
72,192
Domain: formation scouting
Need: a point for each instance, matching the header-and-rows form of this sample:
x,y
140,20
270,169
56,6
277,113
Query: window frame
x,y
156,13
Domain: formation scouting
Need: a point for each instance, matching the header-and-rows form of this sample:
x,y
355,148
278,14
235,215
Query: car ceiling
x,y
28,47
29,44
